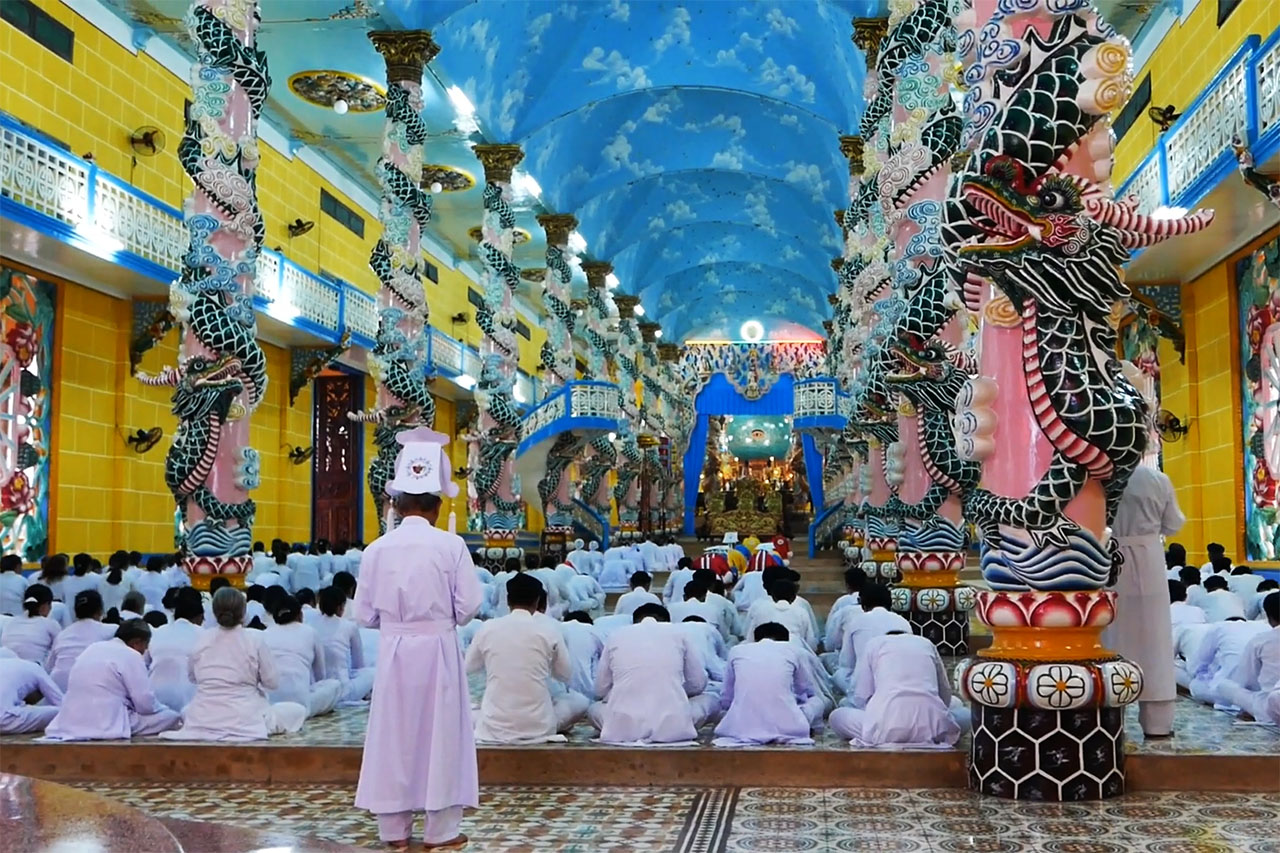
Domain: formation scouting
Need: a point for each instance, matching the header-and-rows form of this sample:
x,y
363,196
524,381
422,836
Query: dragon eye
x,y
1053,199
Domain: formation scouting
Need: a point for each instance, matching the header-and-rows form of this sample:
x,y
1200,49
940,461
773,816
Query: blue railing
x,y
822,525
1195,155
584,407
49,190
591,521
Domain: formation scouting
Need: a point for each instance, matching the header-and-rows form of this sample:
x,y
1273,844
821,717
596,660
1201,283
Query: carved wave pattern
x,y
211,539
1084,564
943,537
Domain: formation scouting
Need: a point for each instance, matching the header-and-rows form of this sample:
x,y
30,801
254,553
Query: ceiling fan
x,y
300,455
1170,427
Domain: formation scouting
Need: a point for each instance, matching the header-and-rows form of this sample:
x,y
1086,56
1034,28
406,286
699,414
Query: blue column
x,y
813,471
695,456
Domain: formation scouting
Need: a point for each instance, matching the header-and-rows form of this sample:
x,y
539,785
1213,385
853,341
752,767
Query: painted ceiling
x,y
697,142
751,438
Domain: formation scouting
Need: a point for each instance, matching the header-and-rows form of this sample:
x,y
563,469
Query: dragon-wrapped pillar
x,y
495,479
626,491
398,360
925,369
558,366
601,455
222,373
1054,422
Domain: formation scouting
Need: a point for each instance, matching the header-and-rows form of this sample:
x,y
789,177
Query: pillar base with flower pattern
x,y
933,600
1047,698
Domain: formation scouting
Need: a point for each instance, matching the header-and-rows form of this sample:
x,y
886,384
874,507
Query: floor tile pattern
x,y
757,820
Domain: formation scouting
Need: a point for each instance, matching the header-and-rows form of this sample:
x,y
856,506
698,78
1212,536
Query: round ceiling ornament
x,y
325,87
450,178
752,331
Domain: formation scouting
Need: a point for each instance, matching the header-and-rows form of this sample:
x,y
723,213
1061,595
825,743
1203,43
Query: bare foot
x,y
460,841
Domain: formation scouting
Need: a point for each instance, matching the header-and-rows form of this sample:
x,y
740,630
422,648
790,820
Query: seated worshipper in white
x,y
343,648
1181,613
639,594
577,557
255,597
595,559
134,607
677,580
650,556
781,608
748,590
615,571
78,636
109,695
1190,577
1243,582
12,585
1257,672
1253,607
31,635
486,581
510,568
652,681
710,646
518,653
306,571
86,575
875,620
606,625
1216,552
233,669
580,591
716,598
694,603
1217,655
300,661
765,604
901,697
769,695
169,655
845,607
20,682
551,585
585,644
153,583
310,613
1186,645
1175,560
1219,603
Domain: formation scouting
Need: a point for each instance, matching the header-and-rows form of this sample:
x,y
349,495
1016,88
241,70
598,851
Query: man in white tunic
x,y
1142,631
639,594
782,608
585,643
417,584
901,696
694,603
19,680
875,620
1216,656
674,589
518,653
1219,603
343,649
169,655
652,682
1257,672
769,695
109,695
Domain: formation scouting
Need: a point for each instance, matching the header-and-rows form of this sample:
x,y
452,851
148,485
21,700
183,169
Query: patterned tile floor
x,y
749,820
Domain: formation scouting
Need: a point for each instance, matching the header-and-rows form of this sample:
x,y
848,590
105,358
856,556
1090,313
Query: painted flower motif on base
x,y
932,600
993,683
1059,686
1121,682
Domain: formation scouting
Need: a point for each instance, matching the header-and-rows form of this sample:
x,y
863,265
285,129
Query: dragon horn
x,y
370,416
1145,231
169,376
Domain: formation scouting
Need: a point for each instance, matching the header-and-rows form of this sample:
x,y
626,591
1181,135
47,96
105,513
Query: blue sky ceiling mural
x,y
696,142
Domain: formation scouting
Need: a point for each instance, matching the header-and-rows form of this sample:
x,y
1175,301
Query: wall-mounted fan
x,y
147,141
1170,427
300,455
143,440
300,226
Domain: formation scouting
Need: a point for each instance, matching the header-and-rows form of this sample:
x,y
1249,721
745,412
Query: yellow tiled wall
x,y
1185,62
1206,466
108,497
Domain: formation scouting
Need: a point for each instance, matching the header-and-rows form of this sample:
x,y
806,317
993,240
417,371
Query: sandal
x,y
460,841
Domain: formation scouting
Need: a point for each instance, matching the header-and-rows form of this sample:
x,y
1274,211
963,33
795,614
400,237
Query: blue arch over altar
x,y
720,397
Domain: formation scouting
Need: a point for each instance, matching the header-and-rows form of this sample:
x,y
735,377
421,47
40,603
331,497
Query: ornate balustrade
x,y
1188,161
579,406
818,404
70,199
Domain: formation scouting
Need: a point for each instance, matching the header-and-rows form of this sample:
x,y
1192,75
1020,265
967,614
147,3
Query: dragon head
x,y
207,386
926,373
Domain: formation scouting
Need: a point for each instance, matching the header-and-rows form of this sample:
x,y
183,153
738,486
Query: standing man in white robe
x,y
109,695
652,682
518,653
901,697
769,695
418,584
1143,631
19,679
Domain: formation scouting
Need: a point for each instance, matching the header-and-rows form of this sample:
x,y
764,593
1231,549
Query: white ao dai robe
x,y
901,696
300,663
766,689
109,697
170,662
71,643
18,680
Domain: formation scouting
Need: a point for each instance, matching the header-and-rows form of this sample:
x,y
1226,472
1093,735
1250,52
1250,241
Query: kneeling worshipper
x,y
652,682
710,648
300,663
584,643
20,680
901,697
781,607
582,592
417,585
1243,582
1257,673
518,653
1253,607
109,695
769,694
639,594
343,647
845,605
617,569
1142,630
676,581
31,635
693,602
233,669
1216,655
78,636
1181,613
875,620
1219,603
728,619
169,655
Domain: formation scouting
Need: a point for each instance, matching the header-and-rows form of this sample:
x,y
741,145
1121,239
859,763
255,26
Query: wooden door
x,y
337,464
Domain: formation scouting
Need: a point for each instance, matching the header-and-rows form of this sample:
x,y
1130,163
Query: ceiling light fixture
x,y
638,310
437,187
577,243
340,107
752,331
611,281
613,436
657,333
1163,212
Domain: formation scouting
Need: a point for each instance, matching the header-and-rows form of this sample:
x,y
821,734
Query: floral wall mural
x,y
1258,278
26,389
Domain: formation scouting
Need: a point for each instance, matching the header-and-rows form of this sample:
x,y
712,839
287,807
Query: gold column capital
x,y
649,331
833,299
852,148
837,264
838,215
596,272
558,227
668,351
867,35
626,305
498,161
406,53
